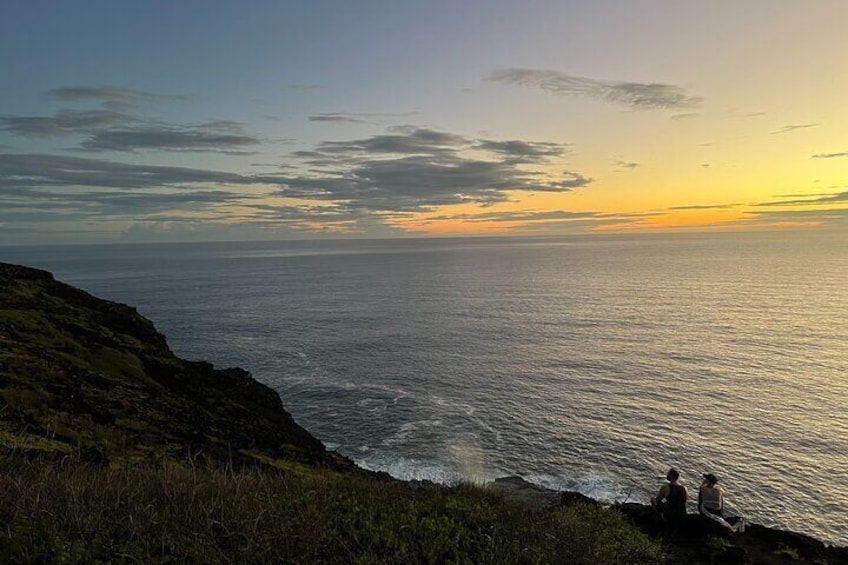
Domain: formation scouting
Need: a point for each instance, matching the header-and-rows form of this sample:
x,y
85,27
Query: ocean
x,y
588,363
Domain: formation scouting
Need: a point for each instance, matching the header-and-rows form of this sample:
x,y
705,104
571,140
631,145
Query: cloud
x,y
108,130
109,96
686,116
704,207
120,204
411,141
570,179
42,191
793,127
214,137
345,186
522,151
66,122
41,170
821,214
632,94
822,199
830,155
818,218
626,164
335,118
356,117
546,222
527,216
417,169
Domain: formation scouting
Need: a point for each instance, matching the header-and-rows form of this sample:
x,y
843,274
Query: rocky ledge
x,y
694,541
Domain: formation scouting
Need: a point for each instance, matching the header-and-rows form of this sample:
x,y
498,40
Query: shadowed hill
x,y
81,376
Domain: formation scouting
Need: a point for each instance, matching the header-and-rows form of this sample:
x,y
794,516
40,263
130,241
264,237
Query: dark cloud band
x,y
633,94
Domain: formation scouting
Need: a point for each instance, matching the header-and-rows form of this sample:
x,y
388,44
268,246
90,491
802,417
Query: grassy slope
x,y
180,514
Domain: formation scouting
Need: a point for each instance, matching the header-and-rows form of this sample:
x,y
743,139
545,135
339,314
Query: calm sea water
x,y
590,364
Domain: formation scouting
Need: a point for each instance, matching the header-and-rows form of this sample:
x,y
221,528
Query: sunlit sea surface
x,y
590,364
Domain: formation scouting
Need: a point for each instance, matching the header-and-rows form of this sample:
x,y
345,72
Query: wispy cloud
x,y
38,188
793,127
336,118
830,155
819,200
25,171
704,207
357,117
109,130
110,96
546,221
65,122
203,137
527,216
819,218
686,116
621,164
632,94
521,151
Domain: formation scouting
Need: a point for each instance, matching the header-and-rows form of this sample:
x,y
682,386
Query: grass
x,y
182,514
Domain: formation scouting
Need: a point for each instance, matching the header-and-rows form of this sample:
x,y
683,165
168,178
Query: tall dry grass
x,y
55,513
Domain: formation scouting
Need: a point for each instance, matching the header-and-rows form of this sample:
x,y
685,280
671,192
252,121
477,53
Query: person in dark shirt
x,y
670,501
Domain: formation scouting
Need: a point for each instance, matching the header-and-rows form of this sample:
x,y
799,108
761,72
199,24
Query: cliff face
x,y
85,377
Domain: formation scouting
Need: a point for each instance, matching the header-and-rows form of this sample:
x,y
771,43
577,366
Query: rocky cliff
x,y
88,378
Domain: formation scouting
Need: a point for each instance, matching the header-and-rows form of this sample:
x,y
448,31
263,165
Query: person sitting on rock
x,y
711,503
670,501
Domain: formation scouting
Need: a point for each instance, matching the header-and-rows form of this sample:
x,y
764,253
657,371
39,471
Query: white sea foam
x,y
599,487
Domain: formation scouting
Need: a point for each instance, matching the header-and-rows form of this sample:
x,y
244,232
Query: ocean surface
x,y
586,363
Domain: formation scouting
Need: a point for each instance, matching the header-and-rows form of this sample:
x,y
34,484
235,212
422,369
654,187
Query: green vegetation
x,y
185,514
787,554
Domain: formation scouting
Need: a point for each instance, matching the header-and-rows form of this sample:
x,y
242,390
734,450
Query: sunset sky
x,y
213,120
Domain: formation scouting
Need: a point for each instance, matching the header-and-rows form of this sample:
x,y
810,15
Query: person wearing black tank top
x,y
670,501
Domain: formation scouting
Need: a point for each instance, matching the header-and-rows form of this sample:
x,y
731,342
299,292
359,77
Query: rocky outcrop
x,y
694,540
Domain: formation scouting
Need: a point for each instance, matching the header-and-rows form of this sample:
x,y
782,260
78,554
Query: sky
x,y
213,120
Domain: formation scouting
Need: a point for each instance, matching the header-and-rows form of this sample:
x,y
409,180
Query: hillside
x,y
91,378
